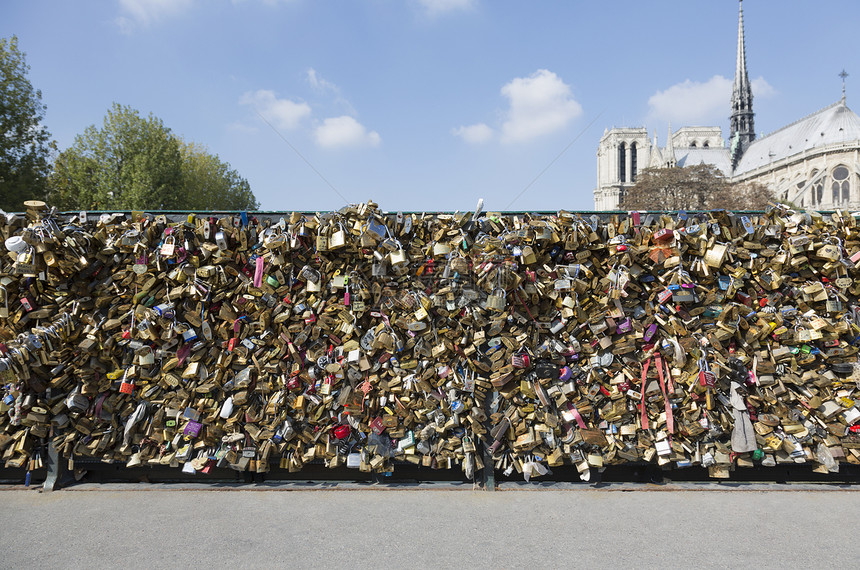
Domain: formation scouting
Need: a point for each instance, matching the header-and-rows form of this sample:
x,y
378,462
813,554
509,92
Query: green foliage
x,y
25,145
136,163
210,184
132,162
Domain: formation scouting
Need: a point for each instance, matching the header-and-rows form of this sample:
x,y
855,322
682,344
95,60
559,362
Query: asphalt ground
x,y
444,525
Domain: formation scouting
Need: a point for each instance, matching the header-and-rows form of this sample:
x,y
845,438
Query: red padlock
x,y
341,431
520,361
663,235
127,387
377,426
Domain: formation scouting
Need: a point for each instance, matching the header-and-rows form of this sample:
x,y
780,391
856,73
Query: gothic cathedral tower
x,y
742,118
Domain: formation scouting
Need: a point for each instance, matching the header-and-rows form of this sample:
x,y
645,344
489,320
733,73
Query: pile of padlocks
x,y
360,338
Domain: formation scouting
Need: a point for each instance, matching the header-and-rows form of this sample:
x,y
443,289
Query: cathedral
x,y
813,162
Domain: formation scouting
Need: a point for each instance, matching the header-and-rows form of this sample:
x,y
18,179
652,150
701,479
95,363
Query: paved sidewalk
x,y
681,526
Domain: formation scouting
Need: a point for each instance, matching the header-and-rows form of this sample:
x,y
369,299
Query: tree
x,y
137,163
211,184
700,187
743,196
130,163
25,145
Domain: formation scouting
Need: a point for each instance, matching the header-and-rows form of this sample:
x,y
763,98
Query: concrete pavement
x,y
647,526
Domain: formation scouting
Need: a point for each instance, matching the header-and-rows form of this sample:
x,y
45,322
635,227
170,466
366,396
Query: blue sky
x,y
427,104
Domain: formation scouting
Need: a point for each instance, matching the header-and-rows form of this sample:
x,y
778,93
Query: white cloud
x,y
142,13
241,128
282,113
762,88
695,103
344,131
329,89
438,7
474,134
317,82
539,104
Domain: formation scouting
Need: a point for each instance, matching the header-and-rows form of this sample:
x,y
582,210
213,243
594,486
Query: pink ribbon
x,y
258,273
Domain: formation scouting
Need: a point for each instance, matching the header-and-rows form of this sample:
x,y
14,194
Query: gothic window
x,y
693,144
632,162
840,186
622,162
799,186
705,144
817,192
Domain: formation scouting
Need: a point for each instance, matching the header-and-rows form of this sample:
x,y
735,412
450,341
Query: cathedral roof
x,y
718,156
832,125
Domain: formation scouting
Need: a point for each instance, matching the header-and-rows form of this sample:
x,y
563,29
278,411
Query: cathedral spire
x,y
669,157
742,117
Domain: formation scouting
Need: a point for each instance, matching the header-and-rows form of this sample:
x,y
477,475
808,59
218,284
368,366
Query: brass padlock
x,y
496,300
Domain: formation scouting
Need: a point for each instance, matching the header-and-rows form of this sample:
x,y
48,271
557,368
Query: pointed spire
x,y
742,79
656,160
742,118
669,157
843,75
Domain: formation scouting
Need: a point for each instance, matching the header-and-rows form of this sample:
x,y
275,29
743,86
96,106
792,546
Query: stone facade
x,y
813,162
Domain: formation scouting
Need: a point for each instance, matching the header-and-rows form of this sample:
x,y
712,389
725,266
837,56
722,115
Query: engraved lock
x,y
321,240
441,249
140,266
24,261
528,255
338,280
398,256
338,239
168,248
496,300
830,252
310,274
834,304
421,311
716,255
148,358
378,269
